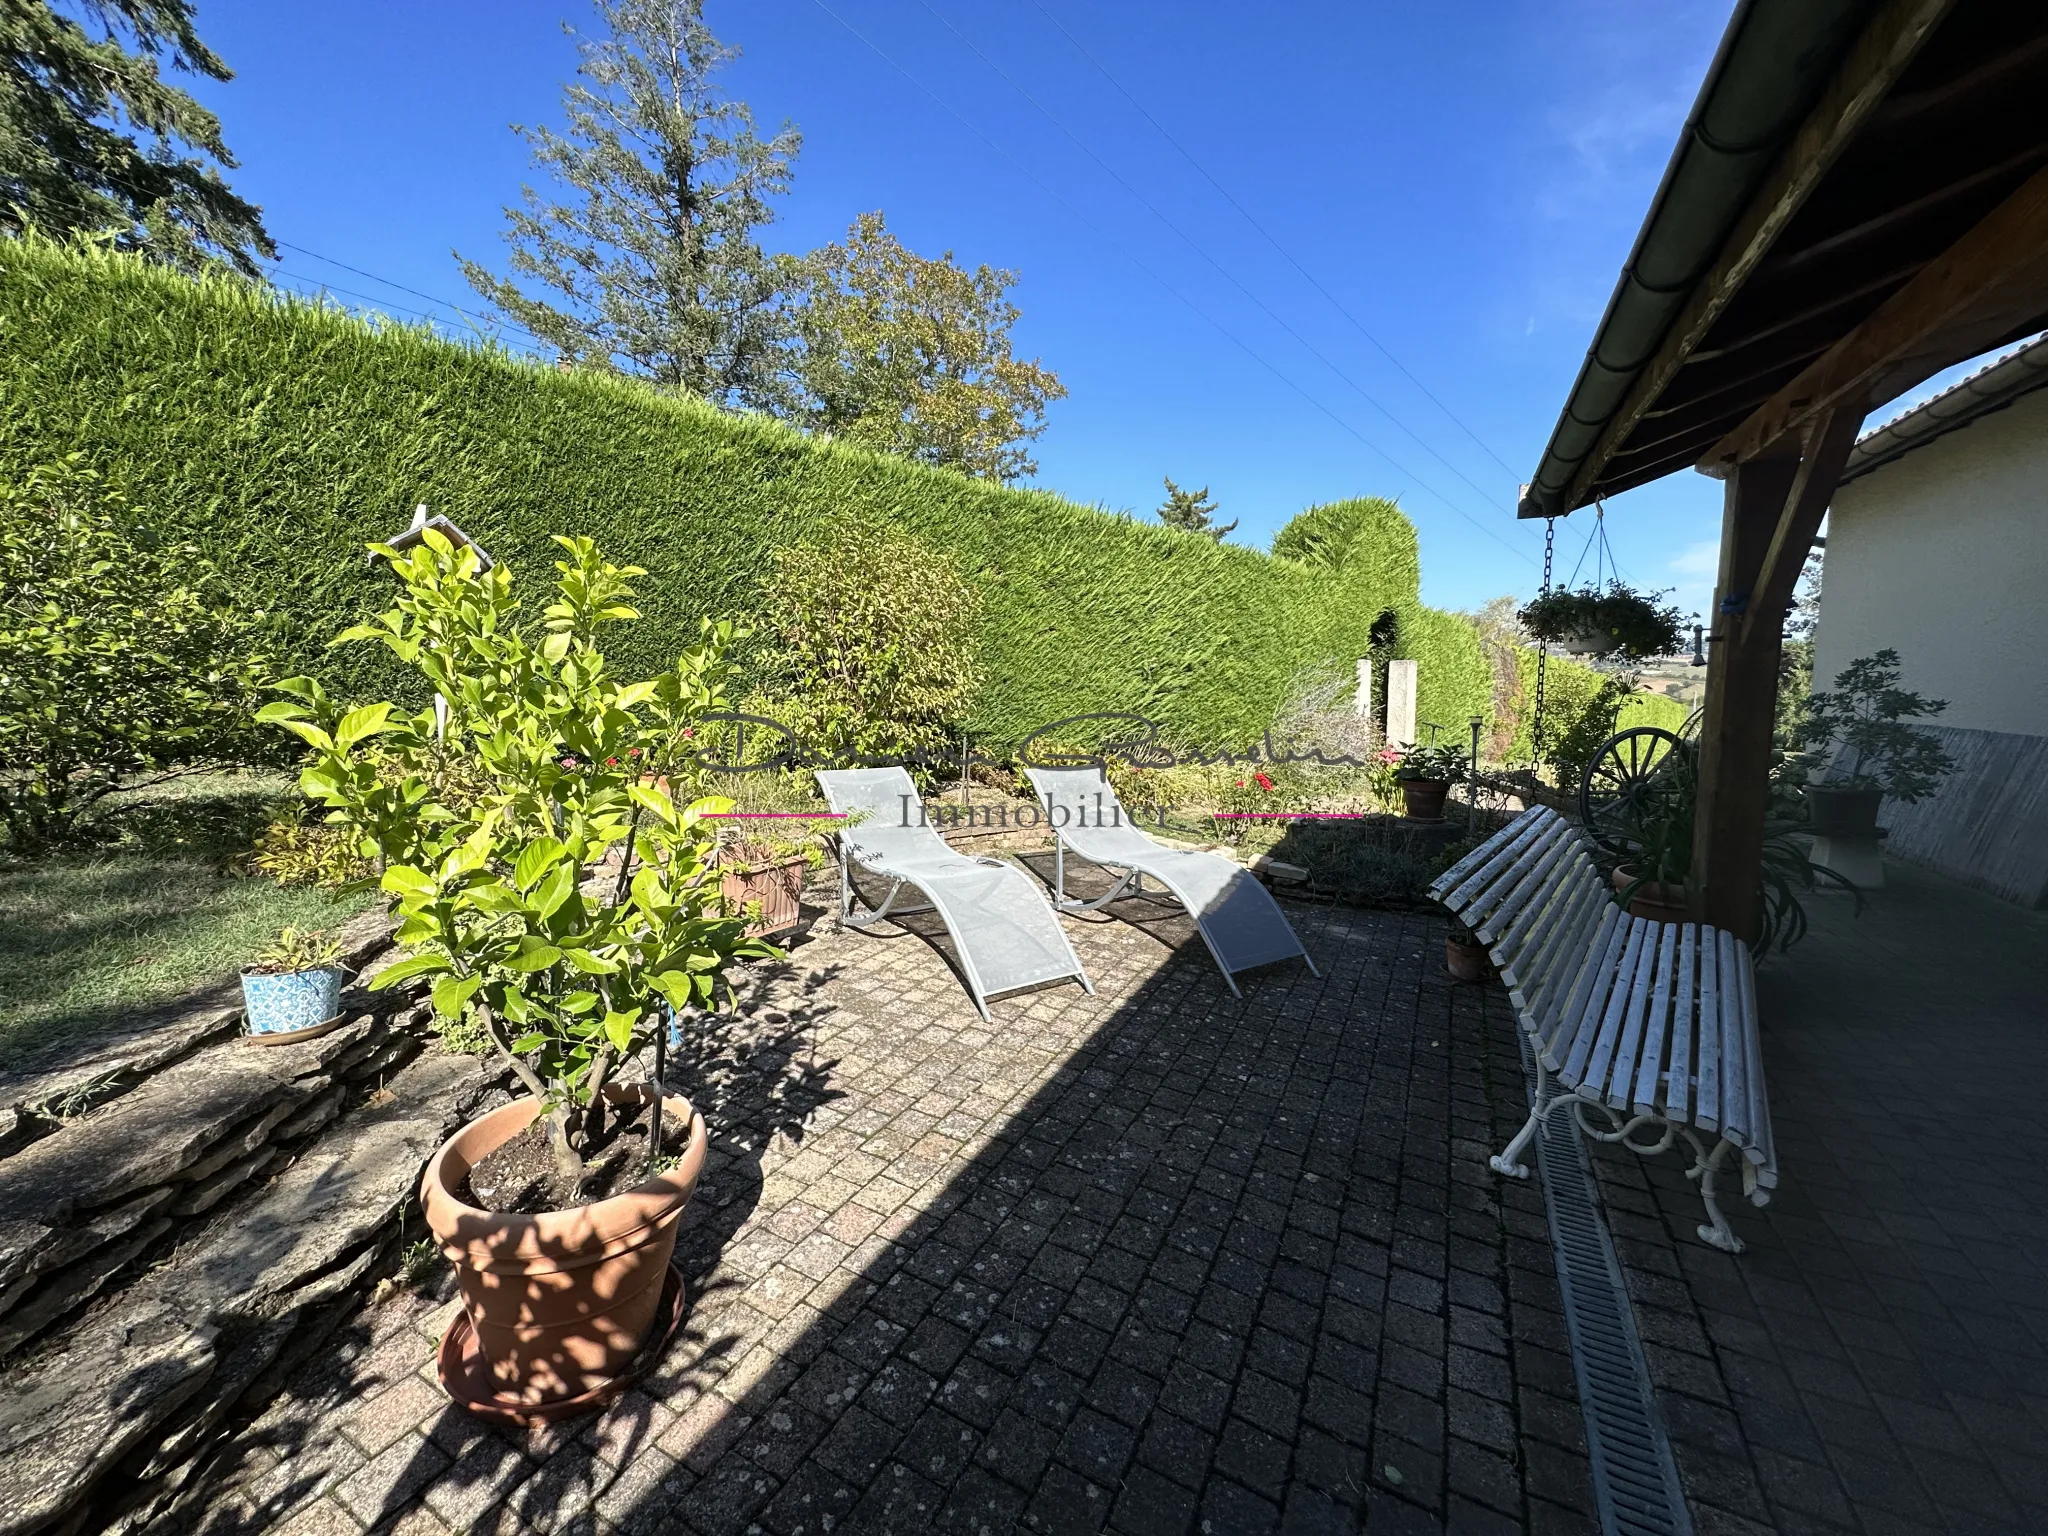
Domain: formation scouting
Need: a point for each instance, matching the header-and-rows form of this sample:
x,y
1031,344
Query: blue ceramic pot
x,y
296,1000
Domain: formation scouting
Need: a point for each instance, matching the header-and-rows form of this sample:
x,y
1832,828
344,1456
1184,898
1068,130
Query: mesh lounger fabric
x,y
1238,918
1003,928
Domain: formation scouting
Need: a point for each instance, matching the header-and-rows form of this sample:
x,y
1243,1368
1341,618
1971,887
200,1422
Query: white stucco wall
x,y
1942,556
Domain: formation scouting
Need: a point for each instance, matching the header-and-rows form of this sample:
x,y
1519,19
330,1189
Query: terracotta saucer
x,y
287,1036
466,1375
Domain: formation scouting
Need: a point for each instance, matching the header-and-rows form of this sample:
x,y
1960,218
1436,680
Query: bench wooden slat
x,y
1763,1148
1706,1079
1550,874
1656,1028
1678,1069
1630,985
1734,1056
1602,1020
1497,909
1571,876
1458,897
1543,972
1564,1053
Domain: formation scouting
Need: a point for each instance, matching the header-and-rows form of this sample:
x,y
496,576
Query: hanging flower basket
x,y
1615,620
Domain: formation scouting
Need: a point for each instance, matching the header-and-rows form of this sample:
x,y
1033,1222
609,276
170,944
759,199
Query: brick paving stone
x,y
1131,1261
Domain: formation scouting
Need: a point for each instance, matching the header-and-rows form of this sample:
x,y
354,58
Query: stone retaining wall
x,y
184,1218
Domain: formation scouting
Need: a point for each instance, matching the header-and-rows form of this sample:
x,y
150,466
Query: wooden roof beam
x,y
1989,286
1872,67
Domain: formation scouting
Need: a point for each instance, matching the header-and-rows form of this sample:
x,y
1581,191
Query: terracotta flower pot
x,y
1660,902
776,884
1466,960
1425,798
562,1301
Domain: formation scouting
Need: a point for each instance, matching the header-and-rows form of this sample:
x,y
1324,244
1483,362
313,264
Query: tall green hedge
x,y
284,437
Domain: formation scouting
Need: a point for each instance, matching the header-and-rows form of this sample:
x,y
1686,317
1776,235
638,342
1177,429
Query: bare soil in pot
x,y
521,1176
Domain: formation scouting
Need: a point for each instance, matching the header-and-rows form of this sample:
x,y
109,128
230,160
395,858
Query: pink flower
x,y
611,762
689,731
1240,783
568,762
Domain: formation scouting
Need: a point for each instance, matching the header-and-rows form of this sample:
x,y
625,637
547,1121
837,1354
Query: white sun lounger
x,y
1002,926
1237,917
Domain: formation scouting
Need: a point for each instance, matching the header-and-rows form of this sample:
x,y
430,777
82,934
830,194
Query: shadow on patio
x,y
1876,1360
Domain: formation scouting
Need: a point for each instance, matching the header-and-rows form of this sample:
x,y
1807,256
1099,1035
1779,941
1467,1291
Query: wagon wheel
x,y
1690,730
1621,773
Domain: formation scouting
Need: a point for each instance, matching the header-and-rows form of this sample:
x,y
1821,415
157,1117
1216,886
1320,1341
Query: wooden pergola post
x,y
1771,514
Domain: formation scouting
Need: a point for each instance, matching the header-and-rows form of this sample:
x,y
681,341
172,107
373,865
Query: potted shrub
x,y
1615,620
761,877
556,882
1426,775
1464,956
1857,734
293,990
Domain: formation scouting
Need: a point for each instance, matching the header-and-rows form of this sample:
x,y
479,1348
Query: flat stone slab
x,y
64,1077
111,1381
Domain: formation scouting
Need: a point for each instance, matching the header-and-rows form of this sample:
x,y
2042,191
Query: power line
x,y
1162,282
401,287
1247,216
1195,246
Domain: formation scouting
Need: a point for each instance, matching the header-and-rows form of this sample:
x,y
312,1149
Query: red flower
x,y
1263,782
611,762
1240,783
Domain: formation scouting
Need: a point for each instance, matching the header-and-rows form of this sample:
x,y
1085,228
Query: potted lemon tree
x,y
553,874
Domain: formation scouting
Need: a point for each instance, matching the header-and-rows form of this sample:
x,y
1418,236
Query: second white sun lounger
x,y
1237,917
1002,926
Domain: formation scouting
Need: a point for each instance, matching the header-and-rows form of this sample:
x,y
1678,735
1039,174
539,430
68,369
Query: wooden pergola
x,y
1859,200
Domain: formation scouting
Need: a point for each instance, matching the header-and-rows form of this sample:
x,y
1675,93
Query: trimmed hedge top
x,y
283,437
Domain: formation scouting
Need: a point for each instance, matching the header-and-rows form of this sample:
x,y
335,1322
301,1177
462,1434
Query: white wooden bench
x,y
1641,1022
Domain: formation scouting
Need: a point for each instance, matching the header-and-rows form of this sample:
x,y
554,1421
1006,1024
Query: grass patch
x,y
157,906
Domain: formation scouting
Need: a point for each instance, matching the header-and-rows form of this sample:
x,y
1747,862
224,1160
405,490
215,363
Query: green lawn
x,y
157,908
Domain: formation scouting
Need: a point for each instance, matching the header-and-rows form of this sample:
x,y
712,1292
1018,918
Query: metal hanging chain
x,y
1543,646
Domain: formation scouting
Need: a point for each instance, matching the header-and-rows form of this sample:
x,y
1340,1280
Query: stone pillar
x,y
1362,704
1401,703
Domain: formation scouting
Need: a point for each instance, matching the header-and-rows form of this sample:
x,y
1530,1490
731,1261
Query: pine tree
x,y
651,265
911,354
1191,511
94,141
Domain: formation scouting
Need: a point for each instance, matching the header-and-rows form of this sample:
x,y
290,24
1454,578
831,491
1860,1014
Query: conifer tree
x,y
650,264
1191,511
95,142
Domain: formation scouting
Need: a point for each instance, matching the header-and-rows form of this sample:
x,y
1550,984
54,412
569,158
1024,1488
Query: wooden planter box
x,y
776,885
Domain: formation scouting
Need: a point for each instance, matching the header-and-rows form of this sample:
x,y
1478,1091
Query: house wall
x,y
1942,556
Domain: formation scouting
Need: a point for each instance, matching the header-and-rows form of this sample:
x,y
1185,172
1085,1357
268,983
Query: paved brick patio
x,y
1878,1360
1156,1260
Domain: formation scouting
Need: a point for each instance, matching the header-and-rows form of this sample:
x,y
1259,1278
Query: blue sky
x,y
1459,182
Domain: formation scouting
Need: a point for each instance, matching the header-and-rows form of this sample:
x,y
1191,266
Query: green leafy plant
x,y
1857,733
548,863
297,949
876,652
294,851
1615,620
1657,823
124,659
1432,762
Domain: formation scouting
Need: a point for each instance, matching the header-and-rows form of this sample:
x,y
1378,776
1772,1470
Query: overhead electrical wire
x,y
1196,246
401,287
1247,215
1203,314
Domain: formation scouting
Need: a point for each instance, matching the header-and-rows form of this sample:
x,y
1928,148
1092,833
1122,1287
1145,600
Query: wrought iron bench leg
x,y
1509,1161
1715,1231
